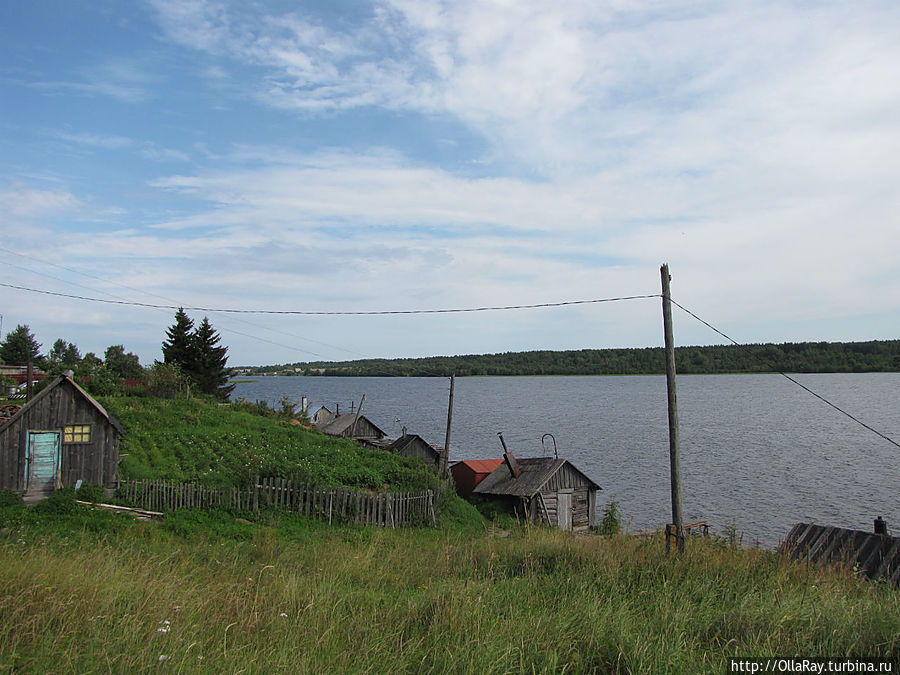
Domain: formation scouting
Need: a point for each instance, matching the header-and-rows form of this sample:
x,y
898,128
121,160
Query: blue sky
x,y
410,154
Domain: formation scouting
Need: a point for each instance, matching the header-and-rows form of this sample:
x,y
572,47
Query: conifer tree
x,y
19,347
198,355
211,373
180,347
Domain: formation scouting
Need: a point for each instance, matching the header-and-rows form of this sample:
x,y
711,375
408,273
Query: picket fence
x,y
334,504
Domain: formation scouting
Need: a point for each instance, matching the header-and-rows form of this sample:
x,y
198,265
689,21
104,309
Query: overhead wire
x,y
299,312
138,290
566,303
785,375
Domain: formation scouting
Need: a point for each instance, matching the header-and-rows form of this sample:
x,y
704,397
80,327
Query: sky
x,y
286,157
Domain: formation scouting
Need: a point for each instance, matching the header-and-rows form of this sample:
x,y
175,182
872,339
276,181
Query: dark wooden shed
x,y
413,445
547,489
348,426
60,436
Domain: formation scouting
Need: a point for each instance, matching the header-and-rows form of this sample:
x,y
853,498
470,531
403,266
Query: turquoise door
x,y
42,461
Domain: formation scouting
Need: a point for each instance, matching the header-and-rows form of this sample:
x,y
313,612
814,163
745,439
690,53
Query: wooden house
x,y
468,473
349,426
59,437
544,489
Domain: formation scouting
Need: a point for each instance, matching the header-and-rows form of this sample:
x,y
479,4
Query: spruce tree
x,y
211,373
180,347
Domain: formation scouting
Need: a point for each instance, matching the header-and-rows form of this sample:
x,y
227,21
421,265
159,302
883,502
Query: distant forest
x,y
802,357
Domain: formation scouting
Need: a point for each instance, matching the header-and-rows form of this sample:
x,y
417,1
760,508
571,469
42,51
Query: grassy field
x,y
93,592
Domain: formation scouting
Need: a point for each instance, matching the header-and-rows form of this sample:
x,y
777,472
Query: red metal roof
x,y
482,465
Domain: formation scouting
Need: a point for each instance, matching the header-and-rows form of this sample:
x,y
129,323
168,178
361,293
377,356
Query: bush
x,y
58,503
612,519
90,493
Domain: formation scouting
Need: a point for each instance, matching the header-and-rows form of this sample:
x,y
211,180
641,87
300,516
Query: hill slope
x,y
194,439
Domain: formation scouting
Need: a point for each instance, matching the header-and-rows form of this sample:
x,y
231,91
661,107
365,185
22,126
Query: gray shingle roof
x,y
536,471
341,423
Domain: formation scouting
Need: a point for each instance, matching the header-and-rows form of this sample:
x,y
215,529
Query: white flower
x,y
283,615
162,657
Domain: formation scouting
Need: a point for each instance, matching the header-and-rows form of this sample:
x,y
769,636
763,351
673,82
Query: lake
x,y
757,452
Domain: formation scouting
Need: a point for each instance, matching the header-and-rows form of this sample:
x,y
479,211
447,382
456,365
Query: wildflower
x,y
283,615
163,627
162,657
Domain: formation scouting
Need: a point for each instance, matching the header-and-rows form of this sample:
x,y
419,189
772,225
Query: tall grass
x,y
98,593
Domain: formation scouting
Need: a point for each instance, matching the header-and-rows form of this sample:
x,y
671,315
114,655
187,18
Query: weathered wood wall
x,y
582,508
416,447
95,462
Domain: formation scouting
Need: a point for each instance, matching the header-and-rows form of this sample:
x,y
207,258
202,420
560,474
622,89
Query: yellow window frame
x,y
77,433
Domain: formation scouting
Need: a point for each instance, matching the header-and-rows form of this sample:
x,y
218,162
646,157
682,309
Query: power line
x,y
459,310
293,312
138,290
799,384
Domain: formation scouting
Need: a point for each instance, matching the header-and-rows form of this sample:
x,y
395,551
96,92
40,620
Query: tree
x,y
19,347
123,366
211,373
198,355
63,356
180,347
166,380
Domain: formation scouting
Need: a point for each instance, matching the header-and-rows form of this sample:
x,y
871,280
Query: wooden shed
x,y
468,473
546,489
60,436
348,426
413,445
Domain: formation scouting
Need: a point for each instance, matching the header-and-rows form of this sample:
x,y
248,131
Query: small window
x,y
77,433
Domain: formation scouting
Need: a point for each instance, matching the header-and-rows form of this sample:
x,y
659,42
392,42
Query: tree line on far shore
x,y
799,357
193,359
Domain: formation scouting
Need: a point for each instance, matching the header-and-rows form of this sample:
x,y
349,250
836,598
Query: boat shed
x,y
468,473
60,436
351,425
547,489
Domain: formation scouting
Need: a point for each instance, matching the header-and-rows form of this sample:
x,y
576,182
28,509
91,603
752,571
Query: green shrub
x,y
90,493
58,503
611,523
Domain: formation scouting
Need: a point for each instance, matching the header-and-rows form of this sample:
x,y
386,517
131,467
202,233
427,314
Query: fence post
x,y
256,493
390,507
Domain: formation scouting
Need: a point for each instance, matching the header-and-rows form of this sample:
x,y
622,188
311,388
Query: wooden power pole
x,y
674,461
445,456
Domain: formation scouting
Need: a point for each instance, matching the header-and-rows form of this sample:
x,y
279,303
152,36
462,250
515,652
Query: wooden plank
x,y
128,509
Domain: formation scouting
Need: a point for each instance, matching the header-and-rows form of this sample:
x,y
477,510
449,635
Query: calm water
x,y
758,452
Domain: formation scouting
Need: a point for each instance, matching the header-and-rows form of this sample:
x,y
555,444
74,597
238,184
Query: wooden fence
x,y
334,504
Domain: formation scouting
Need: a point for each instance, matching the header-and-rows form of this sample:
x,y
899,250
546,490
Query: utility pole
x,y
445,456
674,461
356,419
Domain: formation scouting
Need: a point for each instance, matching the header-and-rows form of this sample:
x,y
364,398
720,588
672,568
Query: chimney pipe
x,y
510,459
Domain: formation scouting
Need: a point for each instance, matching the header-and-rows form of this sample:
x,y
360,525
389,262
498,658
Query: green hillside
x,y
220,444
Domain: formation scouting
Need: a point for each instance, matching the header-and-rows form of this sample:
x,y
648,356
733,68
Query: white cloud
x,y
19,203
